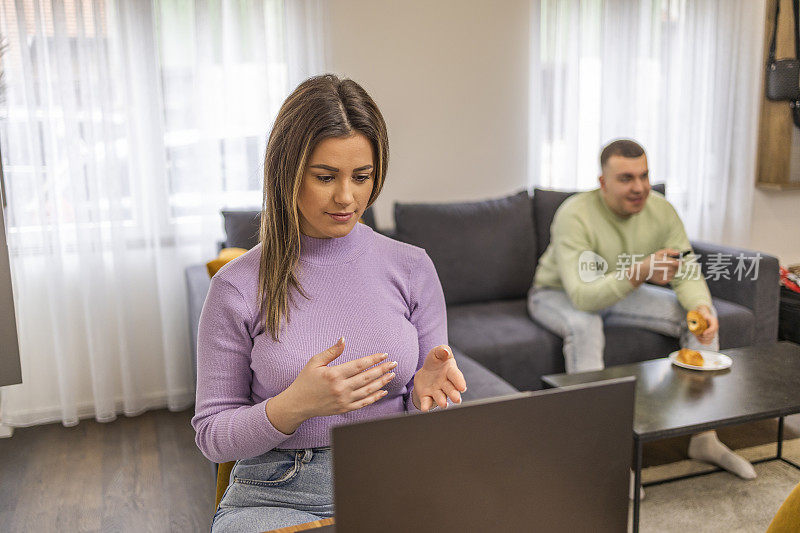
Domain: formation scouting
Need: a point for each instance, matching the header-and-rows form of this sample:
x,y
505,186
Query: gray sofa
x,y
486,254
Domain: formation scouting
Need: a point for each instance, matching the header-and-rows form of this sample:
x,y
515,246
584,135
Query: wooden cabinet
x,y
778,165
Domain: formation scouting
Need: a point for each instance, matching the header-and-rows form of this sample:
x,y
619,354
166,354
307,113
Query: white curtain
x,y
128,125
683,77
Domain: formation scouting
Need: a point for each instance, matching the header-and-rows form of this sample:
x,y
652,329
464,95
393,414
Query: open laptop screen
x,y
553,460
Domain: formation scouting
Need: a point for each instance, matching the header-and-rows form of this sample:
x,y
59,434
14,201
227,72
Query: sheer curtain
x,y
683,77
128,125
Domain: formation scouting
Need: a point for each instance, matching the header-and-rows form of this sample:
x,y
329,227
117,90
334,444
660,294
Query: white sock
x,y
630,491
707,447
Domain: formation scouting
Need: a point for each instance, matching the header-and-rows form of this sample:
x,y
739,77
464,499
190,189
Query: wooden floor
x,y
134,474
146,474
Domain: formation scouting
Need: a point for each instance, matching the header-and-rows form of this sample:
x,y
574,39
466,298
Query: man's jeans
x,y
648,307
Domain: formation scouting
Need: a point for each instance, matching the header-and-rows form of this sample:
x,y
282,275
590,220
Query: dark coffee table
x,y
763,382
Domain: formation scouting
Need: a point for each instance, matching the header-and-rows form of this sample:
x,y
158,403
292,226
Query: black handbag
x,y
783,75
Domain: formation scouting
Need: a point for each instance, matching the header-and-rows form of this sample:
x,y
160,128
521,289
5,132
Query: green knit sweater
x,y
585,224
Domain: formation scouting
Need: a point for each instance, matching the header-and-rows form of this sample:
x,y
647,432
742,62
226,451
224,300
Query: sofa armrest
x,y
197,284
754,286
481,382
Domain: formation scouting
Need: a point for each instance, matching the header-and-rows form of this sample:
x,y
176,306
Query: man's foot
x,y
707,447
630,491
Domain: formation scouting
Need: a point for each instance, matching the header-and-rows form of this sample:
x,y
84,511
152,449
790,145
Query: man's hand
x,y
659,267
438,379
713,325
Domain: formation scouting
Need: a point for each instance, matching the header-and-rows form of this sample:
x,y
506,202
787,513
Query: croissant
x,y
690,357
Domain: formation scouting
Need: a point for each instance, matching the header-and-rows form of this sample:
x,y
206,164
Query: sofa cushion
x,y
368,218
545,204
500,336
482,250
241,228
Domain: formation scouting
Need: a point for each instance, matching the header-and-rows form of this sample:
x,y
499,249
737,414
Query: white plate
x,y
711,361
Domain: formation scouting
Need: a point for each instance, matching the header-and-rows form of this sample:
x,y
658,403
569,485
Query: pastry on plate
x,y
690,357
697,324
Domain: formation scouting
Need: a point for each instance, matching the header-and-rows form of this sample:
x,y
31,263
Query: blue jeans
x,y
648,307
277,489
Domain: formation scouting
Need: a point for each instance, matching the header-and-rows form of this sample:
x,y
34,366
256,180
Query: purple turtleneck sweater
x,y
381,295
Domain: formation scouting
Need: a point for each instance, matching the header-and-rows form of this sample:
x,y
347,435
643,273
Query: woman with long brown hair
x,y
272,378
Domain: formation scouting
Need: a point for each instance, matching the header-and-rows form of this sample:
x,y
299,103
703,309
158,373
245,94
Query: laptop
x,y
552,460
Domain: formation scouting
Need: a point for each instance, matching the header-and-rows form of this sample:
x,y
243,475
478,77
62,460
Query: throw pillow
x,y
225,256
241,228
482,250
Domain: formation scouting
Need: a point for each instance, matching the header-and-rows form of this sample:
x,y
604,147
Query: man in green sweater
x,y
605,244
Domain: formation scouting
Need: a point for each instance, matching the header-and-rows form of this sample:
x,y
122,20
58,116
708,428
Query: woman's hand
x,y
438,379
321,390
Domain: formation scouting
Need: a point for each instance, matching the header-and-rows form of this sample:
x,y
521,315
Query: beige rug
x,y
719,502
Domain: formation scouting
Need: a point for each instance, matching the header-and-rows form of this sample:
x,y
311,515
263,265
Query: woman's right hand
x,y
322,390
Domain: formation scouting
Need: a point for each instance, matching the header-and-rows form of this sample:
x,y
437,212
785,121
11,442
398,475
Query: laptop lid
x,y
552,460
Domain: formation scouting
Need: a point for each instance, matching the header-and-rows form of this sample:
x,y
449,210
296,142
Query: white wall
x,y
776,224
451,78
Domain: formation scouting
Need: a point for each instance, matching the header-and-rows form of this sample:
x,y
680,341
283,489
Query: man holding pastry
x,y
605,244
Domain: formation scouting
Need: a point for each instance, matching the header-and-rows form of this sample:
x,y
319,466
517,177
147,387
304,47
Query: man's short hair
x,y
622,147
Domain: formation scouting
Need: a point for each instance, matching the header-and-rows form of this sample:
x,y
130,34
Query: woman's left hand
x,y
438,379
